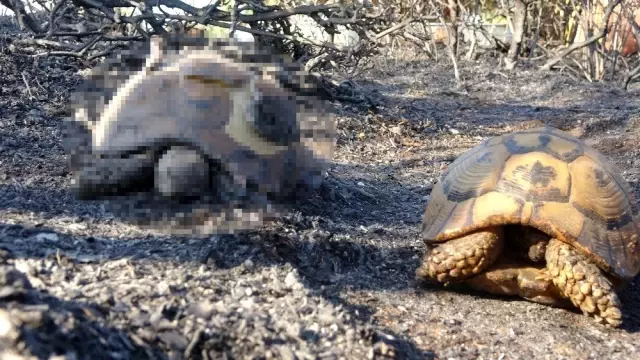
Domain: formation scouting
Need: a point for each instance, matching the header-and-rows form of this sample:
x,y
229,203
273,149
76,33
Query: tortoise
x,y
538,214
188,118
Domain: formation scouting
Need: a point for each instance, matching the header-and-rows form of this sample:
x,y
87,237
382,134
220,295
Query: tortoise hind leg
x,y
583,283
510,278
462,258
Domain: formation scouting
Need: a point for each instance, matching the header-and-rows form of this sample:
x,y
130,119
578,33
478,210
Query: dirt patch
x,y
333,279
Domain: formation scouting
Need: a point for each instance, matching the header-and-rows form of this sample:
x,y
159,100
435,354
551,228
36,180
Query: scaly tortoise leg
x,y
511,278
458,259
583,283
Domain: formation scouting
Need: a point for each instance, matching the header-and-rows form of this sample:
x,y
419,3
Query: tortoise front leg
x,y
182,173
461,258
582,282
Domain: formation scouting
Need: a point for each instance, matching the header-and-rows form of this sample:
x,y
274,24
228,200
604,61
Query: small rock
x,y
247,303
174,339
248,264
325,315
77,227
7,329
47,237
290,280
451,322
202,309
163,288
5,254
396,130
286,353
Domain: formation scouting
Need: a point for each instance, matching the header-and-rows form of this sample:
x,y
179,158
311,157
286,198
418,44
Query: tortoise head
x,y
253,119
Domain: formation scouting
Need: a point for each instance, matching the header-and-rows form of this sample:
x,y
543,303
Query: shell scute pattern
x,y
543,178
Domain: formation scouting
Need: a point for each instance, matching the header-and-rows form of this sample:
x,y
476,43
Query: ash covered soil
x,y
331,280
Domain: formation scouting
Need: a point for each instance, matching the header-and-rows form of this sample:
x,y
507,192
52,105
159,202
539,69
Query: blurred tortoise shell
x,y
546,179
256,113
252,123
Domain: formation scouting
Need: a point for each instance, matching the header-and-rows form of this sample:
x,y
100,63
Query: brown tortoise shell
x,y
546,179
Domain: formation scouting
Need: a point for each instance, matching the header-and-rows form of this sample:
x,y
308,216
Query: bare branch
x,y
396,27
633,74
520,15
300,10
284,37
42,42
635,27
52,17
591,40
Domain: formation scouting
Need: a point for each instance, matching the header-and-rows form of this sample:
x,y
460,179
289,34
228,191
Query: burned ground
x,y
333,279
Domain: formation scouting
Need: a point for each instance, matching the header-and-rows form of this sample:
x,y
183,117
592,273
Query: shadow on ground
x,y
359,232
330,247
48,325
325,268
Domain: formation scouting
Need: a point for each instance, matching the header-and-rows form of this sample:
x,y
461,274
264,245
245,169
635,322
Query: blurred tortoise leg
x,y
582,282
182,173
97,177
458,259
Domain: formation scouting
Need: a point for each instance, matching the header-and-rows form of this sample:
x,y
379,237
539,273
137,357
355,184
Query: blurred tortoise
x,y
537,214
207,126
